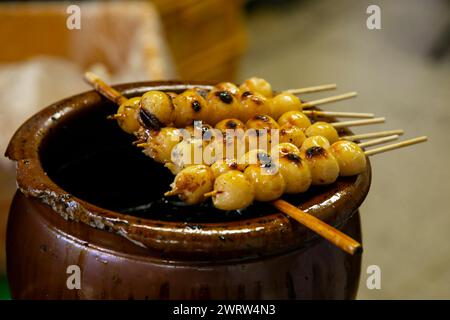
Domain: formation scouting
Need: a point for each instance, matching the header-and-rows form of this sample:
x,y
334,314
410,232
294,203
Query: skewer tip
x,y
210,194
142,145
396,145
172,192
90,77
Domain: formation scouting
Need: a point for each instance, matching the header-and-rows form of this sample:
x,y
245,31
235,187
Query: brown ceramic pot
x,y
87,197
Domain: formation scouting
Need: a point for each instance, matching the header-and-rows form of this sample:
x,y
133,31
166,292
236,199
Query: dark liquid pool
x,y
90,157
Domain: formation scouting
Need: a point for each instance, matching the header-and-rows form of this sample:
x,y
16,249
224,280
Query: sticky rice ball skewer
x,y
159,145
159,109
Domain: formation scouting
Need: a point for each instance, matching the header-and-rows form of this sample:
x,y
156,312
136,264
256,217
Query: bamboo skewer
x,y
211,194
328,232
173,192
378,141
371,135
355,123
319,88
319,102
396,145
104,89
315,113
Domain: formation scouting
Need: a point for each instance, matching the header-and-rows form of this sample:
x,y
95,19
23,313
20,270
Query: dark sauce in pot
x,y
90,157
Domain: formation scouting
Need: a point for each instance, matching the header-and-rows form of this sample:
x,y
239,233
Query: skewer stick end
x,y
210,194
90,77
172,192
142,145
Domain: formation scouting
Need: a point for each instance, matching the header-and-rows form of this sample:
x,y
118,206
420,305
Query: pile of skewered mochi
x,y
305,154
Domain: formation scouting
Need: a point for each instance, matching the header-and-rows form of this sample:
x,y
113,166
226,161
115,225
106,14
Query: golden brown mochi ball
x,y
189,106
267,182
257,85
233,191
160,144
159,105
192,183
323,165
350,157
296,118
222,104
292,134
127,115
295,172
323,129
251,104
284,102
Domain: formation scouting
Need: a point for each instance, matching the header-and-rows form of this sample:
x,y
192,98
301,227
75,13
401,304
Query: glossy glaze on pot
x,y
254,254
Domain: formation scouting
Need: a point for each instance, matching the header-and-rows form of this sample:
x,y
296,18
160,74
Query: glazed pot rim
x,y
267,235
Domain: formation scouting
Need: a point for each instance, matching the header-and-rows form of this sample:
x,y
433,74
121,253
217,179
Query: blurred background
x,y
401,71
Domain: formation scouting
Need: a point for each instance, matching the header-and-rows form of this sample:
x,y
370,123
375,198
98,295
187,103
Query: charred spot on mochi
x,y
196,106
231,124
293,157
261,117
246,94
149,120
315,152
233,165
225,96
